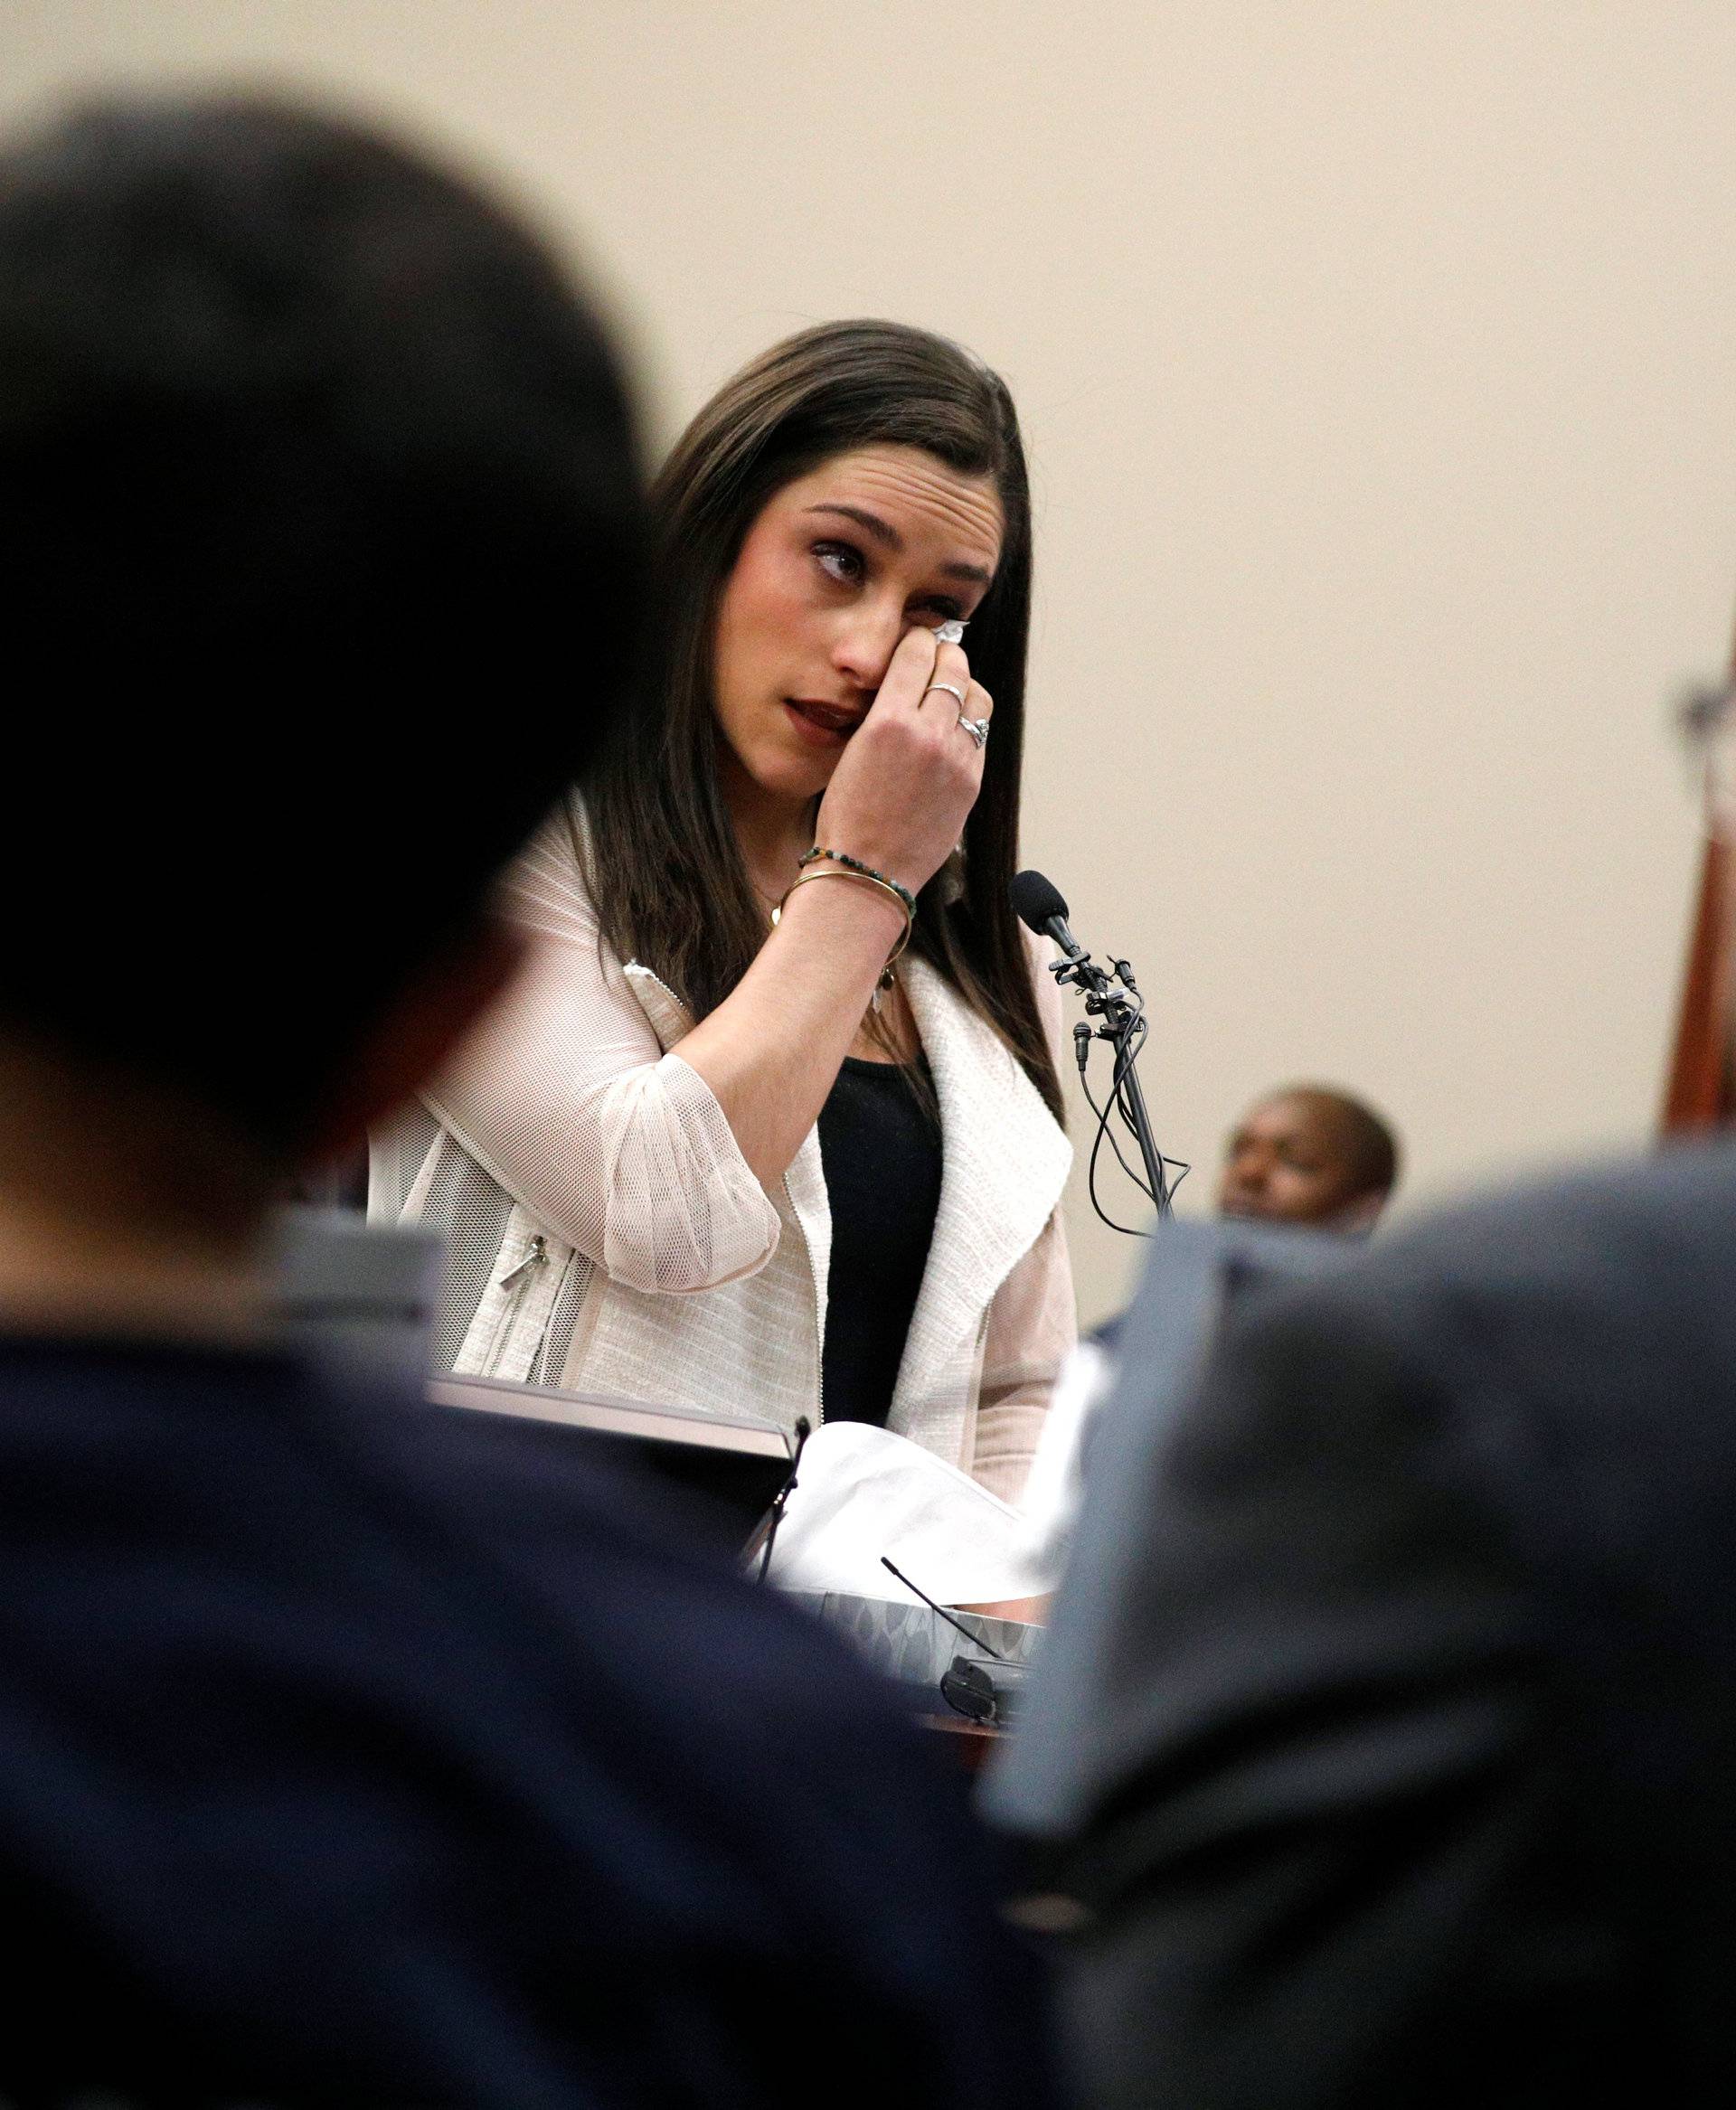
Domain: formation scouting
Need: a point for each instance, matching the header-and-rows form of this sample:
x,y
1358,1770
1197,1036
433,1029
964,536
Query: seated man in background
x,y
1413,1782
1310,1155
347,1754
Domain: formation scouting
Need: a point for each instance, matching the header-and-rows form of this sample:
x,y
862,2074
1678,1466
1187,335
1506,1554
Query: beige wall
x,y
1376,358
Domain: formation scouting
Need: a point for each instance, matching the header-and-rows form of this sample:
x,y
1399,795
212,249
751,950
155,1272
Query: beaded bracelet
x,y
866,871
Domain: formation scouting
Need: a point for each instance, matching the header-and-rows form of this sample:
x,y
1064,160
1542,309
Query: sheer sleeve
x,y
566,1097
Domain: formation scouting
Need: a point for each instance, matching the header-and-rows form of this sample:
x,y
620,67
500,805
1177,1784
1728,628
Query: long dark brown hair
x,y
662,863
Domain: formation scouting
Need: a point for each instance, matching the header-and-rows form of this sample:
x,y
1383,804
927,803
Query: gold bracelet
x,y
864,879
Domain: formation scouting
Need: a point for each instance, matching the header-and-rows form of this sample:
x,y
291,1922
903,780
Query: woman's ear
x,y
413,1040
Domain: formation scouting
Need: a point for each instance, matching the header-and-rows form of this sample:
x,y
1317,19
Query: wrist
x,y
819,859
848,903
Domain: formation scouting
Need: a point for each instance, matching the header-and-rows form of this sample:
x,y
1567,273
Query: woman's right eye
x,y
838,560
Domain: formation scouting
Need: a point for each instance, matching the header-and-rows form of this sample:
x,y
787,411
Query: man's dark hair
x,y
1370,1147
320,532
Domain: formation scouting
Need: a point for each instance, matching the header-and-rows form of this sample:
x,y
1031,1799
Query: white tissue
x,y
862,1492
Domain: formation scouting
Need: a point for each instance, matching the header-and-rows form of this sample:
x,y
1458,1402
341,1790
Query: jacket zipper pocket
x,y
518,1280
536,1256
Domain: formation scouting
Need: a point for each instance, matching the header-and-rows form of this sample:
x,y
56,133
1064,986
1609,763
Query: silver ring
x,y
977,728
947,688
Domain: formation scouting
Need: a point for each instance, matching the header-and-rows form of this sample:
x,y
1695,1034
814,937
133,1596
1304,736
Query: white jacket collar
x,y
1006,1160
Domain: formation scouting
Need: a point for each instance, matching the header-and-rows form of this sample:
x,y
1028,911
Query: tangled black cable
x,y
1121,1015
1127,1039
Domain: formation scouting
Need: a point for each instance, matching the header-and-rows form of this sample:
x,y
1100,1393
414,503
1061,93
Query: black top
x,y
353,1754
881,1152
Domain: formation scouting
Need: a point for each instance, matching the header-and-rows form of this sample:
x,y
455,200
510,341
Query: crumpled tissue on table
x,y
862,1492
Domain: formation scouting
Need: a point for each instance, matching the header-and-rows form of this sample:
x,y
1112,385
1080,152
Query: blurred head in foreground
x,y
1310,1155
320,520
1724,821
1712,724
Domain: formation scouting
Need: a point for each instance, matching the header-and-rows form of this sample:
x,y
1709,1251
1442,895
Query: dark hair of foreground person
x,y
308,453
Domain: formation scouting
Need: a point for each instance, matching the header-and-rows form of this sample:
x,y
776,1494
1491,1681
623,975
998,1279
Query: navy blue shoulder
x,y
611,1559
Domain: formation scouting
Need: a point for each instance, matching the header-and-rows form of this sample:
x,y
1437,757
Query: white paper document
x,y
862,1492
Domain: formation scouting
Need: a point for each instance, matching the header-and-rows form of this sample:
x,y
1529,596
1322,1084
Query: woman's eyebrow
x,y
882,531
885,533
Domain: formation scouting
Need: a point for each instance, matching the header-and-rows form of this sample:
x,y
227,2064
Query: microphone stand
x,y
1122,1012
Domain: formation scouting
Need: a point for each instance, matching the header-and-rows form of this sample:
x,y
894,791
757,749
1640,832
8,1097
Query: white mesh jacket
x,y
605,1233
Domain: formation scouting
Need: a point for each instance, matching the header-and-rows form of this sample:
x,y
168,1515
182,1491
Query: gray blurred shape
x,y
1039,1783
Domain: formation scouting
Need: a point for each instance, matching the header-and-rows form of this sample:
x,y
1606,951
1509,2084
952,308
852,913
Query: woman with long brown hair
x,y
772,1120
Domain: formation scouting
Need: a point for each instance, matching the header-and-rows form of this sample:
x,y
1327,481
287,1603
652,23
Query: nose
x,y
866,639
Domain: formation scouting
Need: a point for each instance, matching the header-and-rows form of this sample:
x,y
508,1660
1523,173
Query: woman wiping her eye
x,y
771,1121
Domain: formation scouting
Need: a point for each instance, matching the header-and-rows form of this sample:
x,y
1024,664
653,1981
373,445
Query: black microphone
x,y
916,1590
774,1515
1037,904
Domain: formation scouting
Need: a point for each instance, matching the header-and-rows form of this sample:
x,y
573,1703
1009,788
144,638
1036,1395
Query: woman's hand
x,y
901,791
898,800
